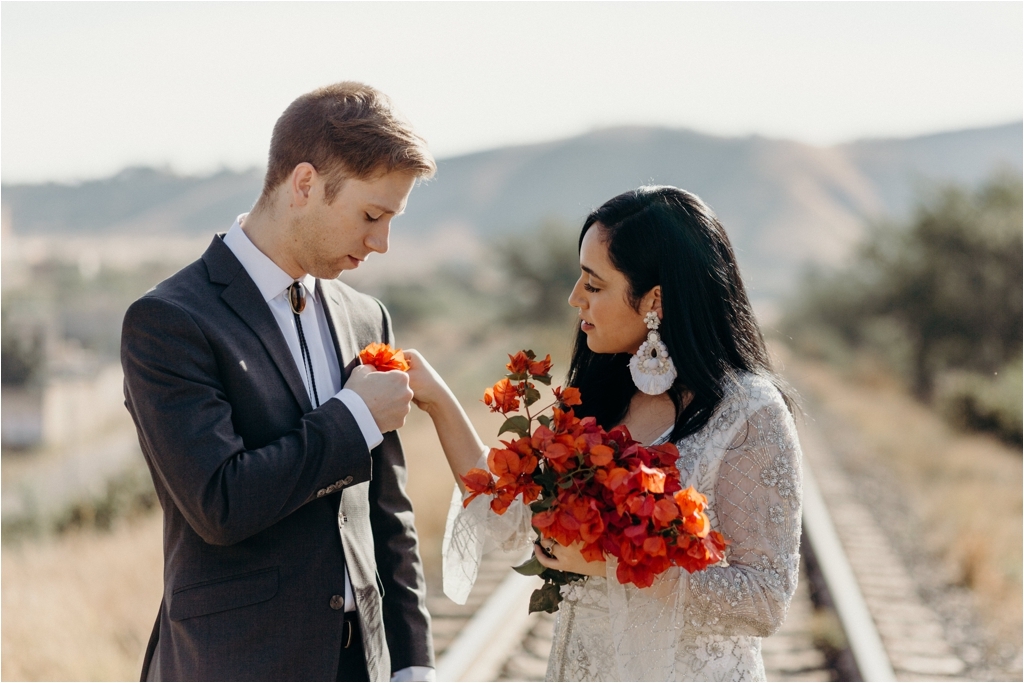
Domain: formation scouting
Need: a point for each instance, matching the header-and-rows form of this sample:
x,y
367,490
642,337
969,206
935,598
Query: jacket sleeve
x,y
396,548
226,492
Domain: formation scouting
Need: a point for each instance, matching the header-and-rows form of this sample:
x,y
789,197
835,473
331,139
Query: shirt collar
x,y
268,276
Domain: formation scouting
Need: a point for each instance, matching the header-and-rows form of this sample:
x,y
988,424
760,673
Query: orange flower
x,y
502,461
665,512
668,454
699,525
690,502
518,364
568,397
617,477
592,552
478,482
652,479
541,368
564,421
655,545
601,455
384,358
544,519
557,454
503,397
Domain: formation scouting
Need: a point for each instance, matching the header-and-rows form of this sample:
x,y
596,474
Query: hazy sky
x,y
88,88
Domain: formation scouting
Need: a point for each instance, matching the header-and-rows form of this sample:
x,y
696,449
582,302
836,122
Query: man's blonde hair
x,y
345,130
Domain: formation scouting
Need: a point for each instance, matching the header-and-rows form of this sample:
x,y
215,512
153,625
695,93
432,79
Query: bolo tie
x,y
297,299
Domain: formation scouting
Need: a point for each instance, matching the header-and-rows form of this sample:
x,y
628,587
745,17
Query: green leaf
x,y
518,376
544,420
532,567
545,599
543,503
530,354
531,396
518,424
543,379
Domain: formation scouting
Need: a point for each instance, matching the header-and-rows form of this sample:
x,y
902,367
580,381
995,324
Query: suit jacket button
x,y
337,602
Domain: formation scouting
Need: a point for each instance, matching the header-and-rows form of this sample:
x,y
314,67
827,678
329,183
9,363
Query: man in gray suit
x,y
289,545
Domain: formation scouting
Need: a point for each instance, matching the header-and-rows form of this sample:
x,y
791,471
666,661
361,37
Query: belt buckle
x,y
349,628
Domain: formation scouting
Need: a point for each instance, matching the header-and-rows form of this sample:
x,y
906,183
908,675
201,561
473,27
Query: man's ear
x,y
303,177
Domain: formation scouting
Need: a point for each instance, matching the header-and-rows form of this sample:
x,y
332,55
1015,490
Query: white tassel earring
x,y
652,370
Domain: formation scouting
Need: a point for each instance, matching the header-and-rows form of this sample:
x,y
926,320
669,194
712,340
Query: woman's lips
x,y
585,326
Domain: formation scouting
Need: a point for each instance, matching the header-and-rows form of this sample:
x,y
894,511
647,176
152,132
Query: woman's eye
x,y
590,288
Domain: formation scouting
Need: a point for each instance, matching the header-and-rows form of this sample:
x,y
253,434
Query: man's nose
x,y
377,239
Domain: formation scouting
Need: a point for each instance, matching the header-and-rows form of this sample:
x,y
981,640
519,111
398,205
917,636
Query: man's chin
x,y
330,273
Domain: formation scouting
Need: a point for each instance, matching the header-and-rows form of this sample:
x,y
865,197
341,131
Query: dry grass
x,y
940,471
81,606
431,481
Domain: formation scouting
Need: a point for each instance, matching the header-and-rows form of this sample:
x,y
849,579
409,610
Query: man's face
x,y
330,238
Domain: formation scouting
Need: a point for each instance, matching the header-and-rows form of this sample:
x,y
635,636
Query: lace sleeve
x,y
757,504
475,530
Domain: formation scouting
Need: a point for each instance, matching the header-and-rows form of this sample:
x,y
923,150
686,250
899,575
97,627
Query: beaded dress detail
x,y
704,626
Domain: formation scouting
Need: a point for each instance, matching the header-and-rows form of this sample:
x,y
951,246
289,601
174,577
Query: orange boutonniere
x,y
383,358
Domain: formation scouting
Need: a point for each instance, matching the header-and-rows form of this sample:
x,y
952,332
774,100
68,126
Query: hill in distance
x,y
784,203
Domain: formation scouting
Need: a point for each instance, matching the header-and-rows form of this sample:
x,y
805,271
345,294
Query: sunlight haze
x,y
89,88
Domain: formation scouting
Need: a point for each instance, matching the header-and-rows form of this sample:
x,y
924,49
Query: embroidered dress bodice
x,y
702,626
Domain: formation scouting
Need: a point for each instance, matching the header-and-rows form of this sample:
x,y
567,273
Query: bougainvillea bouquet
x,y
600,489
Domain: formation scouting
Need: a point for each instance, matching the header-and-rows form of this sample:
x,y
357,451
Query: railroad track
x,y
856,614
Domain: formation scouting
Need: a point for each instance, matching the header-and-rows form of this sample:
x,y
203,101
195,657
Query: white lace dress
x,y
704,626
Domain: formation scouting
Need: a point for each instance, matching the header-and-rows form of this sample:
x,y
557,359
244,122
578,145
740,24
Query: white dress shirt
x,y
273,284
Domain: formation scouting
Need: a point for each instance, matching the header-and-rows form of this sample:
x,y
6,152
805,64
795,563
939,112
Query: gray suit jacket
x,y
255,485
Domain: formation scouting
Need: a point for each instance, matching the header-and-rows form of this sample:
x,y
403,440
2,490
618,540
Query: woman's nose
x,y
574,296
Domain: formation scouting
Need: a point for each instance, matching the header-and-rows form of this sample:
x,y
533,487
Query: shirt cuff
x,y
367,425
414,673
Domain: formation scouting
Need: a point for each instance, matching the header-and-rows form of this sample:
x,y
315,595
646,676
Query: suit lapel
x,y
345,343
245,299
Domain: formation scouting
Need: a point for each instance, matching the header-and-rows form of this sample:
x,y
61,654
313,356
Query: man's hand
x,y
386,394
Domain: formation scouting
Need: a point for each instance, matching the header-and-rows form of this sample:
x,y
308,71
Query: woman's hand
x,y
427,386
567,558
459,440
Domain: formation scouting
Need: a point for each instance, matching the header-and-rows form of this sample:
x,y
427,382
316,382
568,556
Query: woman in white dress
x,y
660,250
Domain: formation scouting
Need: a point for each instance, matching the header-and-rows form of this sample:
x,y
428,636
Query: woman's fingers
x,y
547,554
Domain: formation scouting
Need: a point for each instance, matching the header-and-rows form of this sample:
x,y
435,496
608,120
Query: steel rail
x,y
861,634
500,623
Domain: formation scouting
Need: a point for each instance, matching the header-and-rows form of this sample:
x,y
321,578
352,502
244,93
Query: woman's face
x,y
611,324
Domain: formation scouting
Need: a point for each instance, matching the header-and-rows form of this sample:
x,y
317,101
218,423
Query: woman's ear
x,y
652,302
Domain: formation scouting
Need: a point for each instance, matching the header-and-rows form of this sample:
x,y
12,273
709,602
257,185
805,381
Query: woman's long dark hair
x,y
666,236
